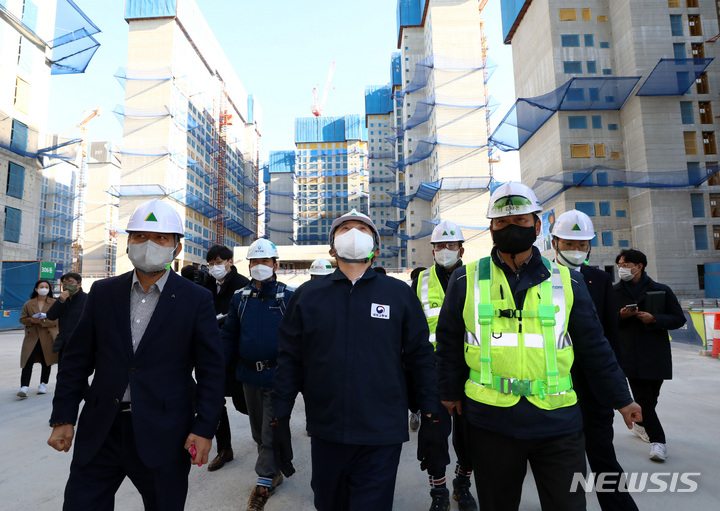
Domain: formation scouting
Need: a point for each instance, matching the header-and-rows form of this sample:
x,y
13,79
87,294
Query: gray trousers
x,y
259,406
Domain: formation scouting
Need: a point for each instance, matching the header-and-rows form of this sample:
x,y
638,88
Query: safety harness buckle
x,y
521,387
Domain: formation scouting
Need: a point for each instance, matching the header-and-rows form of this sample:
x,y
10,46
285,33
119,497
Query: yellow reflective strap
x,y
484,322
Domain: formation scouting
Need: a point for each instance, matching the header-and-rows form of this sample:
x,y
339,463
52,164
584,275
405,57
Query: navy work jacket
x,y
345,347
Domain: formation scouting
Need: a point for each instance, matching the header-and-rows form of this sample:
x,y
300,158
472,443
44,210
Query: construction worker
x,y
430,285
223,280
250,338
344,342
509,329
143,336
320,267
571,237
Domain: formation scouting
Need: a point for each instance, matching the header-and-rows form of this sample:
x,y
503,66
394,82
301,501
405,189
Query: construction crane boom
x,y
319,106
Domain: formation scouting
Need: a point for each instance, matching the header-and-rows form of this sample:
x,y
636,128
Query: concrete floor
x,y
33,475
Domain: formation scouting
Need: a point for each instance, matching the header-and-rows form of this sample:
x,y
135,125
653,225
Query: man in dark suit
x,y
572,234
142,334
67,309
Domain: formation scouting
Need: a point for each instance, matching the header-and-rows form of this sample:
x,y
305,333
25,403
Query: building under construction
x,y
428,132
615,118
190,130
37,40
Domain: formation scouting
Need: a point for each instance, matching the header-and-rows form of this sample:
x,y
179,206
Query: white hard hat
x,y
321,267
512,199
573,225
156,216
446,231
354,215
261,249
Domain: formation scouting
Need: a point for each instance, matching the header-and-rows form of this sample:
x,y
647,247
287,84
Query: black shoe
x,y
440,499
462,494
222,457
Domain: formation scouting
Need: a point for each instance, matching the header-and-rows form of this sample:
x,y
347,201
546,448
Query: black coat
x,y
599,285
233,281
68,314
646,348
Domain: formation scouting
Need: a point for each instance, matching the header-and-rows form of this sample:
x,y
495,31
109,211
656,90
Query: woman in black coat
x,y
646,311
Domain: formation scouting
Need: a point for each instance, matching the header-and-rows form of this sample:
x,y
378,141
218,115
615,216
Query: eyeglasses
x,y
449,245
626,265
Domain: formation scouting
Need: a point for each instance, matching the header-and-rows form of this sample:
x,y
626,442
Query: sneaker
x,y
462,494
440,499
415,421
23,393
640,431
658,452
258,498
42,389
277,481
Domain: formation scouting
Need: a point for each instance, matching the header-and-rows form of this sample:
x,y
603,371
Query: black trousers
x,y
500,464
599,433
93,486
646,393
223,437
458,426
353,477
26,374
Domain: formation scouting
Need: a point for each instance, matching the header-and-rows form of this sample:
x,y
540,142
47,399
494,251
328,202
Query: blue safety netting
x,y
378,100
425,107
396,69
279,212
284,231
426,146
426,229
195,203
330,129
73,44
673,77
121,111
425,67
427,191
528,115
237,201
233,225
281,194
137,190
600,176
387,179
281,161
162,74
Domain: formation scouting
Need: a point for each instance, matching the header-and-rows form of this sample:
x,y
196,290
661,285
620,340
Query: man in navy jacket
x,y
67,309
344,342
141,336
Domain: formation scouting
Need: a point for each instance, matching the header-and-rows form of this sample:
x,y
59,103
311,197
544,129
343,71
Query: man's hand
x,y
202,448
631,413
628,313
61,437
282,445
645,317
432,448
63,296
453,405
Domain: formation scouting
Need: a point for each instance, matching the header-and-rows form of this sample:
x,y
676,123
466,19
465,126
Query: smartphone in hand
x,y
632,307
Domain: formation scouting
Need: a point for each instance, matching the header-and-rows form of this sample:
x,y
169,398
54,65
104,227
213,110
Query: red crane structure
x,y
318,106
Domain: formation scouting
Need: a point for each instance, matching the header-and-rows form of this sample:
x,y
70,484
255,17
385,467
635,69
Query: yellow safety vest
x,y
518,352
431,295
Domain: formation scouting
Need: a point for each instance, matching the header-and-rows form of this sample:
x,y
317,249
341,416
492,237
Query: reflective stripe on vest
x,y
513,352
431,295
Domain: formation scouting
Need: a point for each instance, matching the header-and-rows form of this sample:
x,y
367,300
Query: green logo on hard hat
x,y
151,218
576,227
444,233
511,203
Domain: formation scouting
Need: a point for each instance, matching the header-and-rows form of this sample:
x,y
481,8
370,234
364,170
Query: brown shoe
x,y
258,499
277,481
222,457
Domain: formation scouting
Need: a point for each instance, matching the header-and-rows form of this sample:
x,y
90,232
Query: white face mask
x,y
43,291
218,271
150,257
446,258
572,258
625,274
260,272
354,245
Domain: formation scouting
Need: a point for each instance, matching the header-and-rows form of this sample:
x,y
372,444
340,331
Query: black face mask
x,y
513,239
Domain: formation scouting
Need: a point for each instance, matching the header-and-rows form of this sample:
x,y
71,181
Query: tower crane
x,y
81,184
318,106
